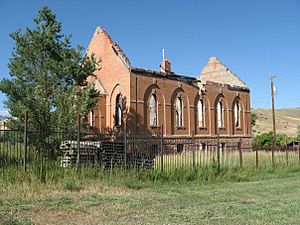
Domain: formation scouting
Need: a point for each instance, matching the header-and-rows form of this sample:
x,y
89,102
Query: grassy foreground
x,y
266,197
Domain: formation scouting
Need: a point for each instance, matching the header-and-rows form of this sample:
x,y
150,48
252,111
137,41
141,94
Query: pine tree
x,y
48,76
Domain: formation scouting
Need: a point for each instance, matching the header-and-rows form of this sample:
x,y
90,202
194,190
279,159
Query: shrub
x,y
264,141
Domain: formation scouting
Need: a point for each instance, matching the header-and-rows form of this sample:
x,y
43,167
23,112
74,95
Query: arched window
x,y
237,113
200,113
118,114
92,120
153,110
220,114
179,112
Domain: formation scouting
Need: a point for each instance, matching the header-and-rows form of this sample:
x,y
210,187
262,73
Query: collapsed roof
x,y
214,72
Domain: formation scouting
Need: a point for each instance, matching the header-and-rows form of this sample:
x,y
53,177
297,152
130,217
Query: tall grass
x,y
181,167
69,179
227,159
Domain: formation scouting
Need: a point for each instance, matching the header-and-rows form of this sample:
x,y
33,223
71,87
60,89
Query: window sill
x,y
154,126
221,128
180,128
202,128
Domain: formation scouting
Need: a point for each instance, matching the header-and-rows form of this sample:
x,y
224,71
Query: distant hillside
x,y
287,120
3,117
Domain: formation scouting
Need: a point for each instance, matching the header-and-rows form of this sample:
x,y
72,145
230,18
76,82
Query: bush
x,y
254,117
264,141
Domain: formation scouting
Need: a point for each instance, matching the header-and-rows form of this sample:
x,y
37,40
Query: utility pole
x,y
273,115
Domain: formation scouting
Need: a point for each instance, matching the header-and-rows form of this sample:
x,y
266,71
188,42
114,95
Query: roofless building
x,y
215,103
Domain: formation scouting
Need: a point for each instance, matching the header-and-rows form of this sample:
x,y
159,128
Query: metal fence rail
x,y
11,147
23,148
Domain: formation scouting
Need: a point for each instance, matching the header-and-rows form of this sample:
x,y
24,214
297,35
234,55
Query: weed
x,y
134,184
71,185
16,222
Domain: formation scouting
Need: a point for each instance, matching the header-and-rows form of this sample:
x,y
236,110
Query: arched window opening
x,y
200,114
153,110
237,113
92,118
118,114
220,114
179,112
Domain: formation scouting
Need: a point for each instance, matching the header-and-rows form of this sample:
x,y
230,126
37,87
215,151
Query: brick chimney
x,y
165,65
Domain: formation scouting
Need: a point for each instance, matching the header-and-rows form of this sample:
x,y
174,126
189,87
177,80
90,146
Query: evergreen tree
x,y
48,76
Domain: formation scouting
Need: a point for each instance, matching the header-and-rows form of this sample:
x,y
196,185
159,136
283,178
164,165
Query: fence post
x,y
218,154
272,153
162,149
286,153
256,156
194,148
299,151
125,146
241,154
25,139
78,144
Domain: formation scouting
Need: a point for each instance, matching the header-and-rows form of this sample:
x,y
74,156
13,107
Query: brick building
x,y
215,103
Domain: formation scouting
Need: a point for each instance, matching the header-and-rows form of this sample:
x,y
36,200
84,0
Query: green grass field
x,y
190,190
261,197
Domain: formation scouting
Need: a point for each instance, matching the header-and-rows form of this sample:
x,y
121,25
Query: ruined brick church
x,y
215,103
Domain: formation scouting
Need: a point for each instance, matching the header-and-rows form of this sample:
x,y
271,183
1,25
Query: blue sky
x,y
253,38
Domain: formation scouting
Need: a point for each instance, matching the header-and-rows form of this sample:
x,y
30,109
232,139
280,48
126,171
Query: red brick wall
x,y
166,91
113,74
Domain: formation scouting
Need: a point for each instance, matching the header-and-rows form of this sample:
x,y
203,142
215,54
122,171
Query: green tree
x,y
264,140
48,76
254,117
